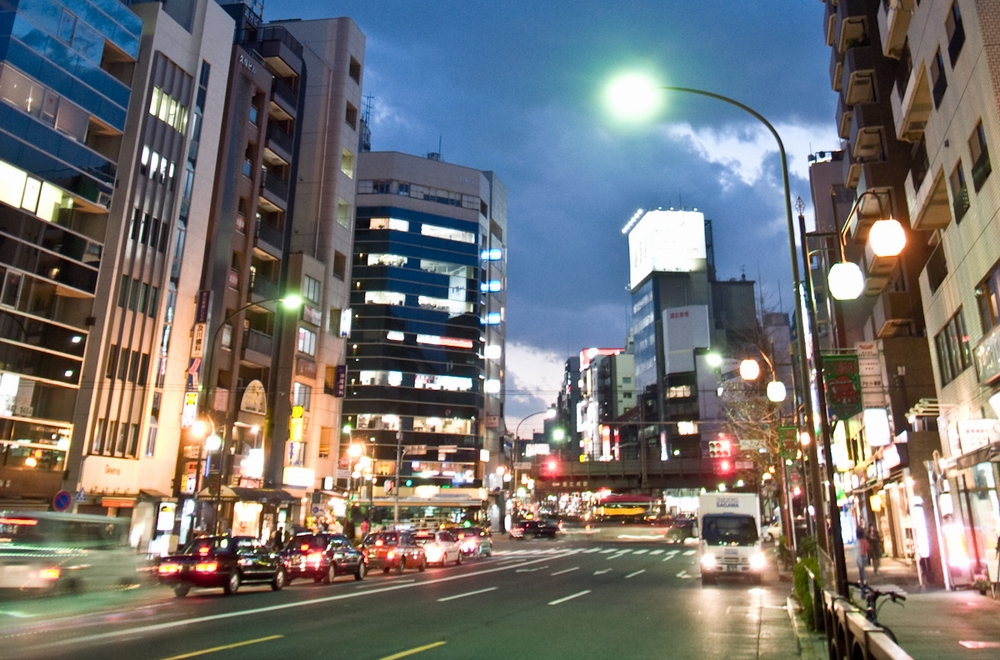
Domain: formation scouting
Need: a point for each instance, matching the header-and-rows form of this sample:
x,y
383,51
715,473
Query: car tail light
x,y
206,567
315,558
378,543
305,547
166,569
49,573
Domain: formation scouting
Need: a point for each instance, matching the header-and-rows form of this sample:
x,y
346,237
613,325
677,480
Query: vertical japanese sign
x,y
842,381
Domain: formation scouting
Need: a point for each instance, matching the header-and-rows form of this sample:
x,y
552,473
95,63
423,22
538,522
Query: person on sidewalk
x,y
874,547
862,558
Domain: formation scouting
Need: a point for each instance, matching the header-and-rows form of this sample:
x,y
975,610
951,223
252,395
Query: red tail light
x,y
49,573
315,557
206,567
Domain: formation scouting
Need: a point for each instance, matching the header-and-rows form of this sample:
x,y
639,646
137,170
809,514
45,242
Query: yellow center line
x,y
419,649
195,654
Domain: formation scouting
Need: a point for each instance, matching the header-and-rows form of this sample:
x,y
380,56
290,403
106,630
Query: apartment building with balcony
x,y
917,113
312,375
946,107
238,382
426,356
65,93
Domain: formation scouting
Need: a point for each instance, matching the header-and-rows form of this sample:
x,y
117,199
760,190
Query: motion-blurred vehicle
x,y
393,551
48,550
474,542
440,547
533,529
322,557
772,532
222,561
680,529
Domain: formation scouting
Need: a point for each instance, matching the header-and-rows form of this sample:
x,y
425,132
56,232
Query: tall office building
x,y
679,312
65,89
426,358
159,217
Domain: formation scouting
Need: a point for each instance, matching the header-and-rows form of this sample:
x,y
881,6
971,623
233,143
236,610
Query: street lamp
x,y
637,96
290,302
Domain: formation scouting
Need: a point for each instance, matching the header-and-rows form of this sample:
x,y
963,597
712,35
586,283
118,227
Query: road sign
x,y
522,465
62,500
81,495
415,449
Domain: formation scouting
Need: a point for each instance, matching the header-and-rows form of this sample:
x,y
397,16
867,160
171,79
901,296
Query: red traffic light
x,y
551,466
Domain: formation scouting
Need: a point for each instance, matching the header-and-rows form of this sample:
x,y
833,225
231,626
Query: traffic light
x,y
720,448
551,467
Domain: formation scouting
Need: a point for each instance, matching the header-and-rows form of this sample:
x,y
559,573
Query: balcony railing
x,y
981,170
279,138
284,91
937,268
263,288
273,184
270,234
258,342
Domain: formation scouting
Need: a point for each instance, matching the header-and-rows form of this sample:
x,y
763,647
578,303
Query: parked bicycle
x,y
872,605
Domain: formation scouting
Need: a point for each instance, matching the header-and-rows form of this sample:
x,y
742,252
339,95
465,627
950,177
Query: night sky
x,y
517,88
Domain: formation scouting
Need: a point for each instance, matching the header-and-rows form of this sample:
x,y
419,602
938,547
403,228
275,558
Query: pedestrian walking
x,y
862,558
874,547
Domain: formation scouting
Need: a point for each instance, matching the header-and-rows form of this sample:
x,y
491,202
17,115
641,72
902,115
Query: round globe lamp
x,y
887,238
846,281
776,391
749,370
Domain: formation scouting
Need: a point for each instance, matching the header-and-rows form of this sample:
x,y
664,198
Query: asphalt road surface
x,y
622,593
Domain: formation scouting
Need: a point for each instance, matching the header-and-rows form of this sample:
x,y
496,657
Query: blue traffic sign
x,y
62,500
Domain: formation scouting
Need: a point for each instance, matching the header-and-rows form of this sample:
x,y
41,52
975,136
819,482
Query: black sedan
x,y
222,561
533,529
322,557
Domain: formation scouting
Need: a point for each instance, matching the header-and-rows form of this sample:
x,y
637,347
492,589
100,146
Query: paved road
x,y
578,597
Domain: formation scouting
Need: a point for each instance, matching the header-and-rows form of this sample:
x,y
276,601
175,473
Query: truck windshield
x,y
729,529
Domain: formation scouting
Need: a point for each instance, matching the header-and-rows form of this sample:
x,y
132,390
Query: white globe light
x,y
749,370
887,238
776,391
634,97
846,281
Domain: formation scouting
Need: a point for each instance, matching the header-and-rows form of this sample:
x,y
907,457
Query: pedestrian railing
x,y
849,634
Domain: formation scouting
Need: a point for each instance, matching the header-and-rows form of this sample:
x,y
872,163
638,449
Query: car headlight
x,y
757,561
708,561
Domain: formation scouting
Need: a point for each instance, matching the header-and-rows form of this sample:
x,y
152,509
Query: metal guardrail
x,y
849,634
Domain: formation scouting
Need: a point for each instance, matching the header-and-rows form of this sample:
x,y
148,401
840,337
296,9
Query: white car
x,y
772,531
440,547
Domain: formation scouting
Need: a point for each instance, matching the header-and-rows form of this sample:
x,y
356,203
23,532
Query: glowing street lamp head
x,y
846,280
887,238
776,391
749,369
634,97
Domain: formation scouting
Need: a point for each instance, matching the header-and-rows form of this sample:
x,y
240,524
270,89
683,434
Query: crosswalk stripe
x,y
688,553
592,550
656,552
608,551
639,552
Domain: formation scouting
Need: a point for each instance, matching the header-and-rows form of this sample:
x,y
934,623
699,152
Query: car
x,y
772,531
474,541
322,557
440,547
222,561
533,529
680,529
395,550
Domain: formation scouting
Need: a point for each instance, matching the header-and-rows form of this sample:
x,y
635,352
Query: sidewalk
x,y
933,623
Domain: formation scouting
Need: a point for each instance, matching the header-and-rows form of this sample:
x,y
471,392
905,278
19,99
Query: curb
x,y
812,646
792,608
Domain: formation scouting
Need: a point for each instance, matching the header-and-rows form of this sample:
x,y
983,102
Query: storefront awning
x,y
274,496
227,494
150,494
981,455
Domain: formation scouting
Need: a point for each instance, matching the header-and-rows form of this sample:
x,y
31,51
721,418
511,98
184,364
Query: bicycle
x,y
872,604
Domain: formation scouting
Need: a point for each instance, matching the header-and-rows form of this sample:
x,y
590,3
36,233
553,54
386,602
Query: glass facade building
x,y
428,296
65,71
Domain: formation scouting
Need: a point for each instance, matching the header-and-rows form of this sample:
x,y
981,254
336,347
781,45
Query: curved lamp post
x,y
638,96
290,302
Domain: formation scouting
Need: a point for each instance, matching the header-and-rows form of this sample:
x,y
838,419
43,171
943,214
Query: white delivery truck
x,y
729,536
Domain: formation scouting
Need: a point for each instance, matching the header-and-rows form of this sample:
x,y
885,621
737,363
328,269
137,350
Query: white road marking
x,y
608,551
639,552
182,623
468,593
590,551
684,575
603,571
563,600
367,586
632,575
656,552
530,570
688,553
568,570
16,615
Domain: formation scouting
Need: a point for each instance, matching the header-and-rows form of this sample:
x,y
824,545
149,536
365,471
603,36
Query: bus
x,y
627,508
48,551
437,512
